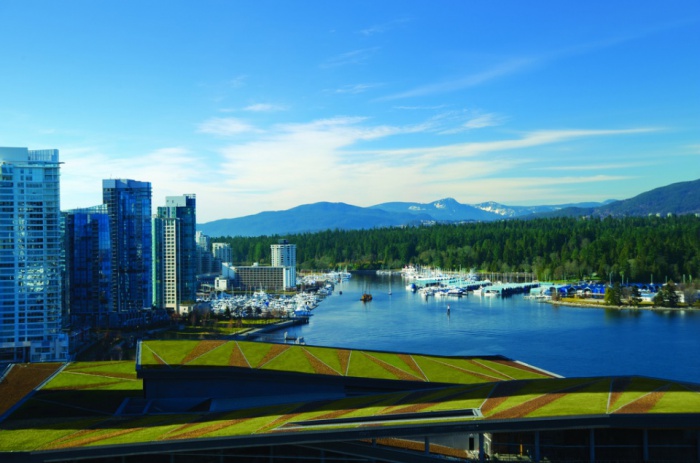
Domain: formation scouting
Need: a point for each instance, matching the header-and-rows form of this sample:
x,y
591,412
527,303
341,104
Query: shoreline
x,y
593,305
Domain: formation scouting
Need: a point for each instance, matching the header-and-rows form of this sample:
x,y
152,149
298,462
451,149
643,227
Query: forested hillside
x,y
634,248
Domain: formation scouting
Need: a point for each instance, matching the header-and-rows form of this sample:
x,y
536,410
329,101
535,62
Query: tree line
x,y
640,249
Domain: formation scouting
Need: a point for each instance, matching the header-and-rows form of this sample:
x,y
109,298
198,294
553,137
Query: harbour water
x,y
569,341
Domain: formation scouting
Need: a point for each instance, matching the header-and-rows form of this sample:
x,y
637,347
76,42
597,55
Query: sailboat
x,y
389,286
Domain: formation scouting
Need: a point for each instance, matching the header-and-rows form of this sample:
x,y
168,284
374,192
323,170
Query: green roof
x,y
159,355
78,407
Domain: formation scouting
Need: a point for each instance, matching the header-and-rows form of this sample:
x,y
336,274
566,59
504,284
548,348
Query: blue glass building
x,y
128,205
88,266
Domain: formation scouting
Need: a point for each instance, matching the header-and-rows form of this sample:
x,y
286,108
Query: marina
x,y
569,341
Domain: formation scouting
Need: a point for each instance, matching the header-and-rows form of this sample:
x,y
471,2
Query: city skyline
x,y
267,106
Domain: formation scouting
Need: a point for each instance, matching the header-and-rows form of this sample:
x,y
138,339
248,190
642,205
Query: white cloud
x,y
264,107
85,167
225,126
476,121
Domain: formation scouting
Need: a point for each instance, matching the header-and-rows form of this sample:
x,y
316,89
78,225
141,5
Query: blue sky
x,y
266,105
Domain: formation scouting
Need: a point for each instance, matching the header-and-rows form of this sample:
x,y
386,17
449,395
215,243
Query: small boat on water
x,y
366,297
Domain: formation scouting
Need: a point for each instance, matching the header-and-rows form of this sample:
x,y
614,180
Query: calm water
x,y
564,340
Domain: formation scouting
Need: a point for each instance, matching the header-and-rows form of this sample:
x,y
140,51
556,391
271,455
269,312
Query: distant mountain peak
x,y
445,203
679,198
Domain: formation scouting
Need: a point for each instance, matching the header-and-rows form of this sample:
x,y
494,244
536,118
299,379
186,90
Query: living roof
x,y
186,355
79,408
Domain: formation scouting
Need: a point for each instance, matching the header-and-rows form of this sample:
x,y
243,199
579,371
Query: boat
x,y
366,297
492,293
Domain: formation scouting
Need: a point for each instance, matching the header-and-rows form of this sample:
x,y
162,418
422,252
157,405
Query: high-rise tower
x,y
129,208
30,257
175,252
284,255
88,266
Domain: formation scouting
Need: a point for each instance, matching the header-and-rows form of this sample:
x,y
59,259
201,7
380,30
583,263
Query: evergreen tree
x,y
613,295
667,296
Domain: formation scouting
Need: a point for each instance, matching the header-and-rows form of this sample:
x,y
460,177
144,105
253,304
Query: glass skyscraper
x,y
128,205
88,266
175,253
30,257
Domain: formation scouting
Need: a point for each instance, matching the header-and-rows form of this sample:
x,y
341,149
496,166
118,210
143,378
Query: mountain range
x,y
677,198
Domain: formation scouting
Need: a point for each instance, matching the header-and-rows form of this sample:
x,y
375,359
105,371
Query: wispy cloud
x,y
384,27
353,57
527,140
238,81
476,121
421,108
612,167
225,126
517,65
265,107
357,88
503,69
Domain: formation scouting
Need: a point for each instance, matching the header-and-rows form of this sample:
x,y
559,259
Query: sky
x,y
266,105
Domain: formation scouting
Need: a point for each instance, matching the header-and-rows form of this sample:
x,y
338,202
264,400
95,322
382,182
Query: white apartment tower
x,y
30,257
284,255
222,252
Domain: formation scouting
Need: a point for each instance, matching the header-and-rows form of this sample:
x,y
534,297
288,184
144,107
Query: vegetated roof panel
x,y
48,420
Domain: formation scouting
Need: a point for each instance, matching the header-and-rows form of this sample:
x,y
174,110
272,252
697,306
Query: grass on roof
x,y
677,398
532,389
593,397
327,356
635,389
290,360
511,370
439,371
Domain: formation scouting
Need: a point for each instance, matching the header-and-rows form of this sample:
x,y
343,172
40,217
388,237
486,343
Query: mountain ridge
x,y
676,198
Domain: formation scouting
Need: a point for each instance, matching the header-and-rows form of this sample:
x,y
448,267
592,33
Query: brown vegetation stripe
x,y
196,421
280,420
344,358
157,358
524,409
75,435
500,374
110,374
398,372
416,407
408,360
472,373
345,411
200,349
91,439
237,358
618,386
500,394
275,350
520,366
319,367
645,403
20,381
79,387
196,433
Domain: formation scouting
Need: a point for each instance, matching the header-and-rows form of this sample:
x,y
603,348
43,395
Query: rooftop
x,y
84,407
